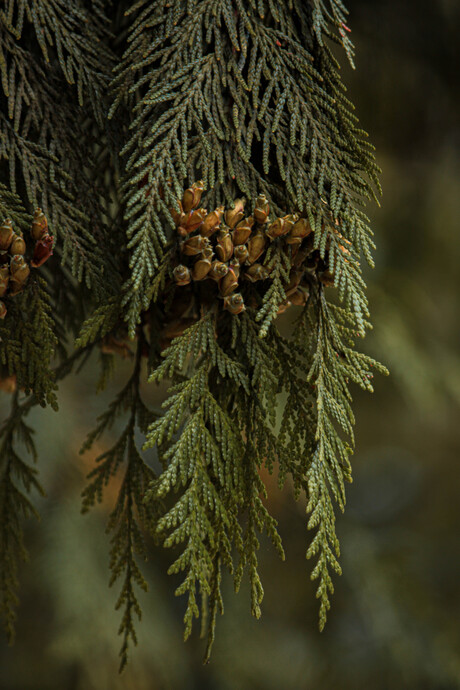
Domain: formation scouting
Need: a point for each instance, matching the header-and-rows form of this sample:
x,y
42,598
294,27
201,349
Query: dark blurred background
x,y
395,616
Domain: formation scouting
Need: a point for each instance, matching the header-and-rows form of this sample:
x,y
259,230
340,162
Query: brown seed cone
x,y
261,209
212,221
224,246
241,253
218,270
3,310
256,246
242,232
19,270
256,272
179,215
182,275
201,269
276,229
6,234
194,245
17,246
193,220
229,282
234,303
234,215
39,225
192,196
299,231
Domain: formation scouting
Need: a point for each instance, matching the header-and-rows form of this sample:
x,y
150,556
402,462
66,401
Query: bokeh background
x,y
395,616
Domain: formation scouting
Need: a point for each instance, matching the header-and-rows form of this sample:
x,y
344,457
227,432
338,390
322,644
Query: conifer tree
x,y
177,174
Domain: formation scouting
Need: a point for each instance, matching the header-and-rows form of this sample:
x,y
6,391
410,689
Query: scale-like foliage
x,y
110,111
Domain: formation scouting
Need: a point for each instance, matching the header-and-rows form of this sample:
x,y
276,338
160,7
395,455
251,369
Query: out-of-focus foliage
x,y
397,606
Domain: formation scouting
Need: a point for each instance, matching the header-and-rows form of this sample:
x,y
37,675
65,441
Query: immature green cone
x,y
6,234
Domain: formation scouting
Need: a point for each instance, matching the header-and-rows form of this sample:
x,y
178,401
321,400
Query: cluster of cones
x,y
14,267
229,249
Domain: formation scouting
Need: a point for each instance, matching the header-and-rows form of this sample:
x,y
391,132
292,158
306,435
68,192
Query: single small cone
x,y
182,275
193,220
192,196
256,246
211,222
277,229
42,252
234,215
241,253
17,246
194,245
19,270
299,231
3,310
6,234
256,272
229,282
39,225
224,247
218,270
234,303
177,215
261,209
242,232
201,269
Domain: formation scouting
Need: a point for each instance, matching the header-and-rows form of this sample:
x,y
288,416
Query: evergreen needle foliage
x,y
108,112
